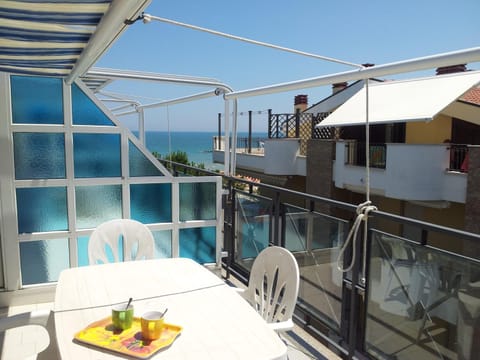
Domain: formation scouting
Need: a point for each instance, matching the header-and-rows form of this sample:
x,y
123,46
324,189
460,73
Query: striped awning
x,y
48,37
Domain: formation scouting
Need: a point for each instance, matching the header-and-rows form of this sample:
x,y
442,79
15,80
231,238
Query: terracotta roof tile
x,y
472,96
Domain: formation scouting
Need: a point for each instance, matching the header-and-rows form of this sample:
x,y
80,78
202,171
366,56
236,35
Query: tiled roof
x,y
472,96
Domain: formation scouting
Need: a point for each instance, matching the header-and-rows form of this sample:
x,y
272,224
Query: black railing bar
x,y
358,287
429,247
450,253
428,226
189,167
312,210
274,188
340,204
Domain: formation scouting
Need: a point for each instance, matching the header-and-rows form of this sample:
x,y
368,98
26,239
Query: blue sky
x,y
373,31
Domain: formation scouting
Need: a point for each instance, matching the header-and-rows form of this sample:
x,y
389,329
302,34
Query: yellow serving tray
x,y
130,342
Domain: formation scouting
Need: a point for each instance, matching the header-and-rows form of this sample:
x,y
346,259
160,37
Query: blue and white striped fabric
x,y
46,37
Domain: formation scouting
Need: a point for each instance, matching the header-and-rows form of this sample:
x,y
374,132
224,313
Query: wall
x,y
472,206
433,132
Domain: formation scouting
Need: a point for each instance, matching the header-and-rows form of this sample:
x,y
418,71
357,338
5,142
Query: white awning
x,y
402,101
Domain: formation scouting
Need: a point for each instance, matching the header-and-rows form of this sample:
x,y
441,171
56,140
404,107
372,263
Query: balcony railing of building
x,y
421,293
300,125
458,158
248,145
355,154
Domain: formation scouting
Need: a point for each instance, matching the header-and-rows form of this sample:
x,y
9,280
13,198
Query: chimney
x,y
451,69
338,87
300,103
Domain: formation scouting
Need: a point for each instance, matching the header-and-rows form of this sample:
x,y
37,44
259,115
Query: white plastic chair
x,y
136,237
43,318
273,287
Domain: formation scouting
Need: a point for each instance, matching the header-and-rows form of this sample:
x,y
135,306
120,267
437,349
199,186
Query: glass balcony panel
x,y
198,244
42,209
42,261
253,226
198,201
139,165
422,302
97,155
151,203
97,204
314,238
85,111
39,155
30,106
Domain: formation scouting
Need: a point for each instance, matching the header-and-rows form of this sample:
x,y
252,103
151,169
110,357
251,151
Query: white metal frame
x,y
8,184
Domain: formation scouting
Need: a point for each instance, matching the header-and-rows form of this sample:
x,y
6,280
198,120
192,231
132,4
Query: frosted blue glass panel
x,y
42,209
139,165
151,203
96,155
42,261
198,244
82,251
97,204
36,100
85,111
163,244
39,155
197,201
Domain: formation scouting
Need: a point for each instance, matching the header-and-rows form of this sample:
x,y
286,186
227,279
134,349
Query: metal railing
x,y
355,154
249,144
300,125
418,300
458,158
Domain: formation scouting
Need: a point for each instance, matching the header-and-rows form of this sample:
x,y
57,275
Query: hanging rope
x,y
363,209
169,136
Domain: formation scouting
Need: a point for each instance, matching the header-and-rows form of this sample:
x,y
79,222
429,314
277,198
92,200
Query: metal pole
x,y
226,161
219,138
269,123
141,126
452,58
233,162
179,100
249,131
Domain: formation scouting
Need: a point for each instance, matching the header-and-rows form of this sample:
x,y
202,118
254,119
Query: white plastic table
x,y
217,322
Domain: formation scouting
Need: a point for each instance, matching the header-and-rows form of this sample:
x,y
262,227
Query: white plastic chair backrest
x,y
134,233
273,284
43,318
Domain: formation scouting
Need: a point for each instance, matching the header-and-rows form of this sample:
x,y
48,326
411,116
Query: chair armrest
x,y
281,325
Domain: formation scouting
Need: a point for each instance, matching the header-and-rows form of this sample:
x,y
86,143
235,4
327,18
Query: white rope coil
x,y
363,211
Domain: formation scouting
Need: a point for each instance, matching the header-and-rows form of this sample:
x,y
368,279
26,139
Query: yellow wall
x,y
433,132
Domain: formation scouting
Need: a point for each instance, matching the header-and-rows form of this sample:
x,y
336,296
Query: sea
x,y
198,145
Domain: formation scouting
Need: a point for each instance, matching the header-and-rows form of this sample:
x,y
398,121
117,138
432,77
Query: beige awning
x,y
407,100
